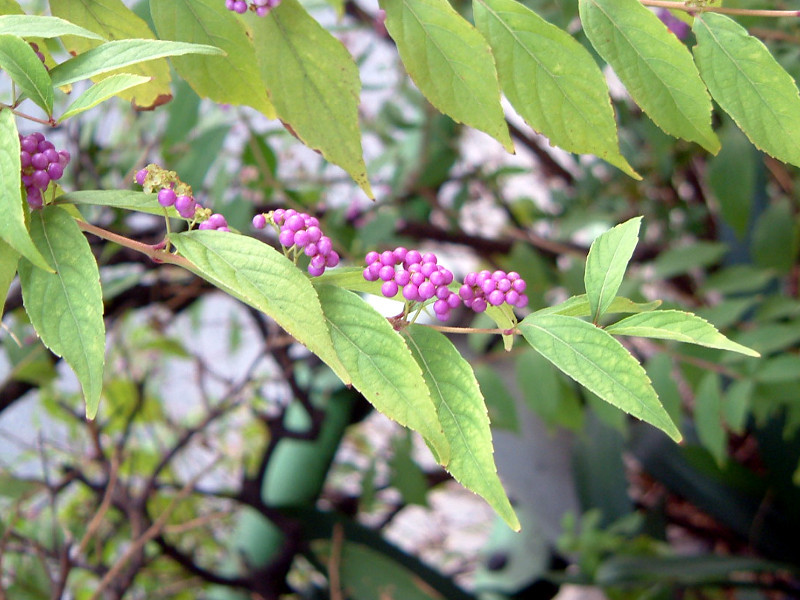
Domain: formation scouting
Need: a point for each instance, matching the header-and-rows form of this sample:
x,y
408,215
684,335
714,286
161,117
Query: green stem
x,y
446,329
26,116
749,12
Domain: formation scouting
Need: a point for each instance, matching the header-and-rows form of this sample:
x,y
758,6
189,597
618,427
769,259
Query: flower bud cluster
x,y
260,7
173,192
485,288
419,276
40,164
302,232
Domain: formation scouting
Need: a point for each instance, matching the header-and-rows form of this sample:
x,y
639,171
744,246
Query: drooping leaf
x,y
42,26
463,416
677,325
599,362
101,91
578,306
656,68
450,62
775,238
112,20
12,226
605,266
66,307
121,53
708,418
731,175
381,366
8,269
551,80
749,84
314,84
229,79
262,277
20,62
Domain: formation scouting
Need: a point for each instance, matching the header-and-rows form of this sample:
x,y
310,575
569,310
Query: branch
x,y
691,8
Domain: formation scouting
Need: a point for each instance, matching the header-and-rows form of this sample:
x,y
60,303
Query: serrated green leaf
x,y
749,84
450,62
551,80
229,79
605,266
600,363
101,91
20,62
112,20
314,84
677,325
66,307
43,27
463,416
578,306
122,53
708,418
12,226
8,269
381,366
265,279
656,68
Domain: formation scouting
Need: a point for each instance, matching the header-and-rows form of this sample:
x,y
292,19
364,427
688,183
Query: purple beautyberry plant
x,y
300,233
41,164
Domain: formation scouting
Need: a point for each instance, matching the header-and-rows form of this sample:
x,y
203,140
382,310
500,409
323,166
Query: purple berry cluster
x,y
419,275
260,7
485,288
172,192
40,164
302,231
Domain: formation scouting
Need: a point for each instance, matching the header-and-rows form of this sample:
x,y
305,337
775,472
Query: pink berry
x,y
140,176
260,221
55,171
166,197
286,238
389,289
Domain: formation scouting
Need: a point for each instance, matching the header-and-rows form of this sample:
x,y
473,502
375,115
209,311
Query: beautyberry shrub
x,y
485,288
41,164
301,232
260,7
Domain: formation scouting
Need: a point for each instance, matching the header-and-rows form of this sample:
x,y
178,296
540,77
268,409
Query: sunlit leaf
x,y
101,91
20,62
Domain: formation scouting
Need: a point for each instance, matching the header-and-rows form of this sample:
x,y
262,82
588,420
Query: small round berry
x,y
369,275
512,297
286,238
389,289
35,200
426,290
427,268
295,223
519,285
410,292
466,292
314,233
310,249
375,269
183,204
441,307
39,161
496,298
522,302
488,286
400,254
240,6
453,300
45,145
260,221
504,284
386,273
40,179
51,155
278,216
387,258
139,177
332,259
166,197
470,279
64,156
442,292
229,4
217,221
417,278
325,246
262,11
315,271
478,305
25,159
412,257
402,277
372,257
55,171
301,239
29,144
318,261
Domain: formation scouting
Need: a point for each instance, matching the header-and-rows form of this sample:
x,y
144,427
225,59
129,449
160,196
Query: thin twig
x,y
97,520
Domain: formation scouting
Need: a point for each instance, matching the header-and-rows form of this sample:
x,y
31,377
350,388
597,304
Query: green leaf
x,y
551,80
229,79
112,20
749,84
8,269
708,418
351,278
545,395
655,66
265,279
499,401
124,199
578,306
660,370
605,266
314,85
102,91
731,175
450,62
381,366
463,416
43,27
19,60
406,475
775,238
677,325
12,226
682,259
600,363
779,368
122,53
736,406
66,307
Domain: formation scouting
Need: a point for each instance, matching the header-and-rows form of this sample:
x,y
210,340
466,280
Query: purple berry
x,y
386,273
519,285
44,145
402,277
426,290
29,144
286,238
55,171
40,179
301,239
314,271
410,292
478,305
389,289
368,275
453,300
166,197
310,249
240,6
259,221
279,216
185,205
39,161
325,246
51,155
295,223
140,176
314,233
63,157
496,298
35,200
217,221
318,261
372,257
412,257
400,254
332,259
25,159
512,297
